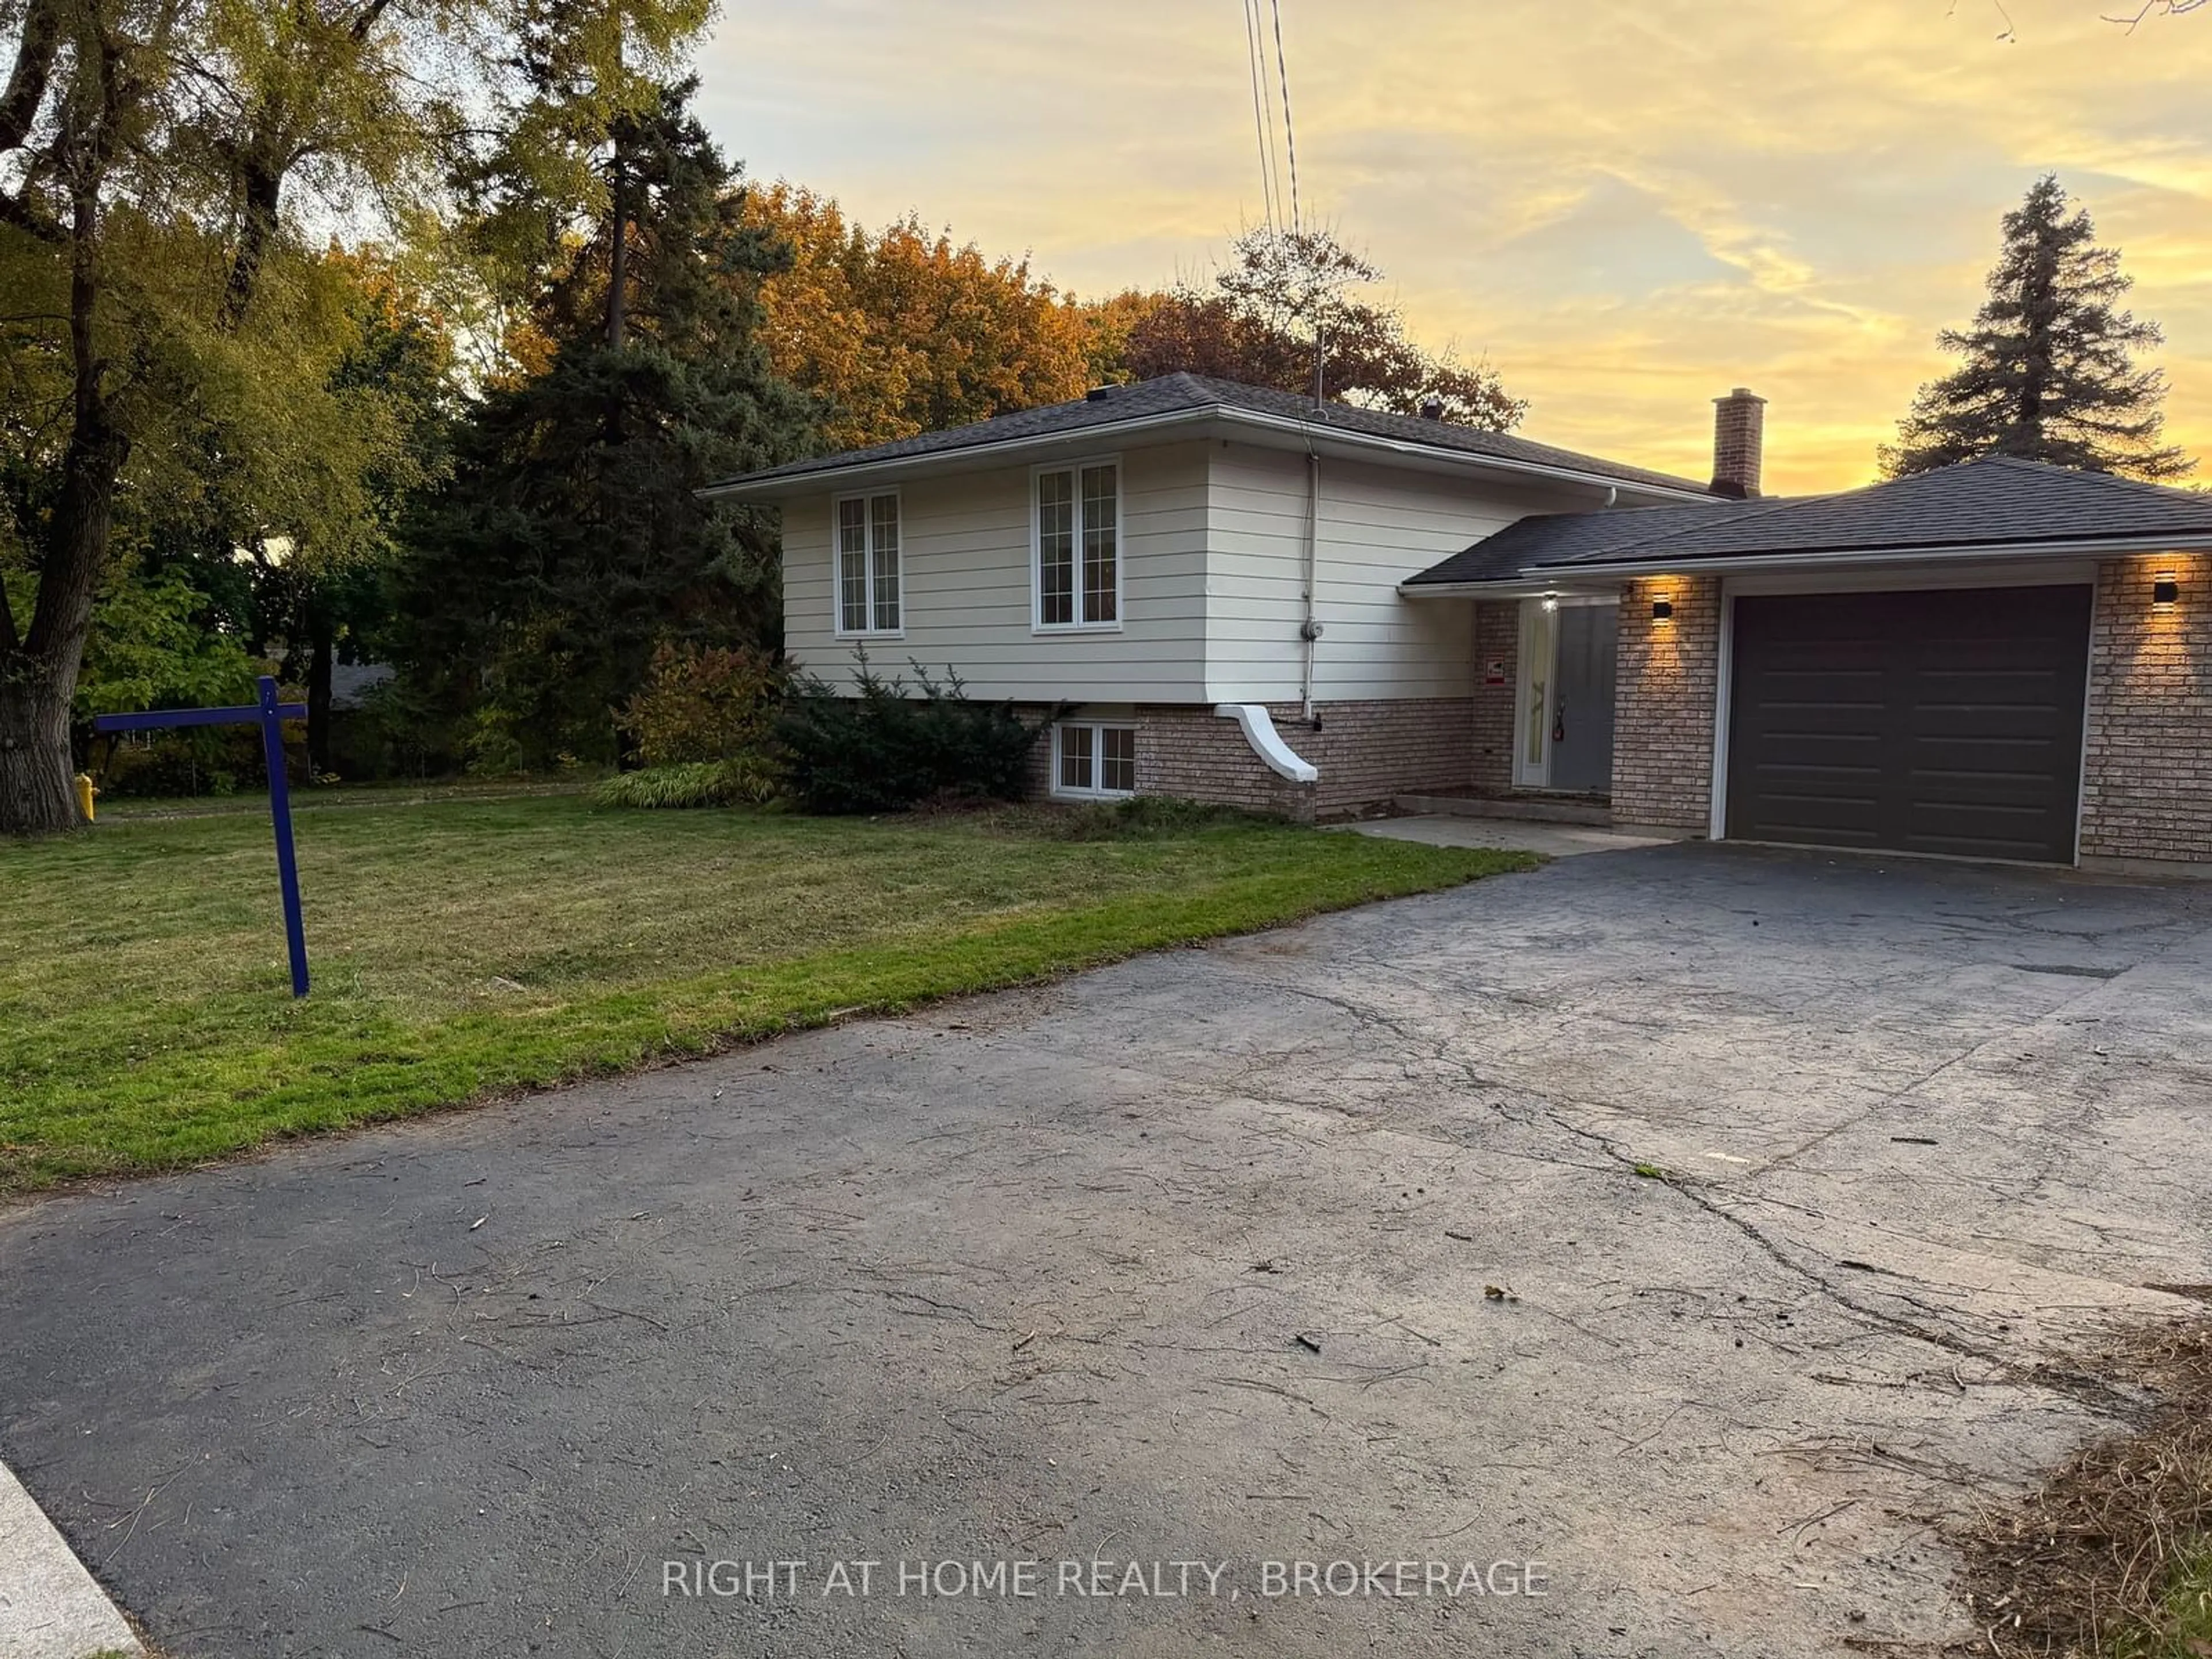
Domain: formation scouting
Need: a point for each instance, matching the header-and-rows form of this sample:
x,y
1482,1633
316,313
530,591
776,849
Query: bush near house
x,y
883,749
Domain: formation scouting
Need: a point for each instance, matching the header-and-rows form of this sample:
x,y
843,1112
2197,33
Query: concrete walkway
x,y
1558,841
50,1607
1667,1238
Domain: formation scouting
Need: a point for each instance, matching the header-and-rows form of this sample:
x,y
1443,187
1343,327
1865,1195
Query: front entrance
x,y
1565,721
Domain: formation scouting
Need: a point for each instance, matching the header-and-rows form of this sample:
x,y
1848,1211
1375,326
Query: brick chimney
x,y
1738,431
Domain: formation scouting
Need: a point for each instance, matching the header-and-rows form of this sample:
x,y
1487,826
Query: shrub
x,y
744,779
882,750
205,759
703,704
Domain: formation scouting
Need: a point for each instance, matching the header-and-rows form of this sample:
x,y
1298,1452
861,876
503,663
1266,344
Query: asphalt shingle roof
x,y
1997,501
1197,395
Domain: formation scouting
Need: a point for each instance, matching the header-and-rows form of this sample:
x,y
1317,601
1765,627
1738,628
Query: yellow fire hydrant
x,y
86,790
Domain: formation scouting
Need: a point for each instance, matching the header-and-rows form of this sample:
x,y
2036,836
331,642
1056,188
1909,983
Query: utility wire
x,y
1263,111
1290,141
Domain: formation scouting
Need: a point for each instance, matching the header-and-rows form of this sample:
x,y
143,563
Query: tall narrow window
x,y
1079,546
1056,548
868,597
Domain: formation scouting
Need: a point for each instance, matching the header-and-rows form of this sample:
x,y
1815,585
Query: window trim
x,y
866,497
1098,730
1075,465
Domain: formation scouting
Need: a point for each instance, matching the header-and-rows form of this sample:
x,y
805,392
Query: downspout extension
x,y
1259,729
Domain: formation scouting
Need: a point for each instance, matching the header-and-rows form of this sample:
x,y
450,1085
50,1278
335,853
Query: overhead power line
x,y
1290,139
1263,111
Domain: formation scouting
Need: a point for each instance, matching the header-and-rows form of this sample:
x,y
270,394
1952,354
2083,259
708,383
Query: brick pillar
x,y
2147,752
1662,724
1496,642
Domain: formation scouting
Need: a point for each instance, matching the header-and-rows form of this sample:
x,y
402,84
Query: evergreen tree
x,y
2050,373
569,541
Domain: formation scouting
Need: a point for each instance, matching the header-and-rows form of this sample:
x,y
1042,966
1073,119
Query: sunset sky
x,y
1626,206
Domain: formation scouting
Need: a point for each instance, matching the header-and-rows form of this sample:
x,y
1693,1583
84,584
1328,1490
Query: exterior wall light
x,y
1551,602
2165,592
1662,610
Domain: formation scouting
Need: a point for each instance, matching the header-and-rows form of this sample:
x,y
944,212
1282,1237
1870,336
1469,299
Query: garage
x,y
1923,721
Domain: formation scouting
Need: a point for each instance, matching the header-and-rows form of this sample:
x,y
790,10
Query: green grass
x,y
466,947
2182,1627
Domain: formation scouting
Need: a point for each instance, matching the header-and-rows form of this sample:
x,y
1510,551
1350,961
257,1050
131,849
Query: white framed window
x,y
869,599
1094,758
1075,545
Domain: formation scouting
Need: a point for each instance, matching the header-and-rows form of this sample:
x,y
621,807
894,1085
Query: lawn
x,y
466,947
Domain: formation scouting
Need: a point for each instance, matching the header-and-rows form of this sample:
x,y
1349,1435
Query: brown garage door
x,y
1927,722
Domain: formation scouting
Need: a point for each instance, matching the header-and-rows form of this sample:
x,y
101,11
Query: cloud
x,y
1628,205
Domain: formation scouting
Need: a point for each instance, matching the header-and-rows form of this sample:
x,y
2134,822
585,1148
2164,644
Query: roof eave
x,y
1531,580
967,457
1946,552
784,487
1462,459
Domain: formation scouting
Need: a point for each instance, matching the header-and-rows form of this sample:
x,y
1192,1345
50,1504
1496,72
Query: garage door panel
x,y
1926,721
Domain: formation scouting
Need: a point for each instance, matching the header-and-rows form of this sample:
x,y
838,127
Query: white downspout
x,y
1309,630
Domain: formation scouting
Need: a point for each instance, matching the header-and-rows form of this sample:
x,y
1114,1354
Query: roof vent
x,y
1433,409
1098,394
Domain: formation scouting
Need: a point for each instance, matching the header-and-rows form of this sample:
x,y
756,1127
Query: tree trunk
x,y
618,255
38,788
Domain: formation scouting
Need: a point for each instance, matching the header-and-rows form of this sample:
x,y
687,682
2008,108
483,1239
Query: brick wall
x,y
1496,639
1367,752
2146,760
1670,678
1193,753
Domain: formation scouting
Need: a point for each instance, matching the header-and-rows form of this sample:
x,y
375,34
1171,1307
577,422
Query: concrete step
x,y
1536,809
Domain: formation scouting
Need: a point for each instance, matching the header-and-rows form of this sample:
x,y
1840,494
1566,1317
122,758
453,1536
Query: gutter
x,y
834,476
1311,430
800,482
1539,578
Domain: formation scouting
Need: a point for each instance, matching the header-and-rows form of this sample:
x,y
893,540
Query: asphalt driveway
x,y
1184,1260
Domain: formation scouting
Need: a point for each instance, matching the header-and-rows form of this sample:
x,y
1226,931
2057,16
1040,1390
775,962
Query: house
x,y
1319,609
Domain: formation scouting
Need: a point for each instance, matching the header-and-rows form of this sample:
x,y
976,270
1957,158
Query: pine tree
x,y
2050,373
570,541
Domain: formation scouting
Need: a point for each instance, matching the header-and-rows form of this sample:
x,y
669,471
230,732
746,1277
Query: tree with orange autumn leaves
x,y
902,331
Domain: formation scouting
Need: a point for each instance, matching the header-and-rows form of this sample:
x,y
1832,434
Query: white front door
x,y
1563,715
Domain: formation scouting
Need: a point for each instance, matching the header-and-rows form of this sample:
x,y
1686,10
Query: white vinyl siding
x,y
968,586
867,579
1207,572
1379,525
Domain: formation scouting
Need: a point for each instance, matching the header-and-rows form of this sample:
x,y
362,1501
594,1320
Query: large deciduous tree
x,y
571,540
152,157
2050,371
1282,313
901,330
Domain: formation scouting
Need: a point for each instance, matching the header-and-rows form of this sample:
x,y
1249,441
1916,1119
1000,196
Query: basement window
x,y
1093,760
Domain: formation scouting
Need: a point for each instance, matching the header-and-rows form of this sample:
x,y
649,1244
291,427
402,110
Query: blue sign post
x,y
271,714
